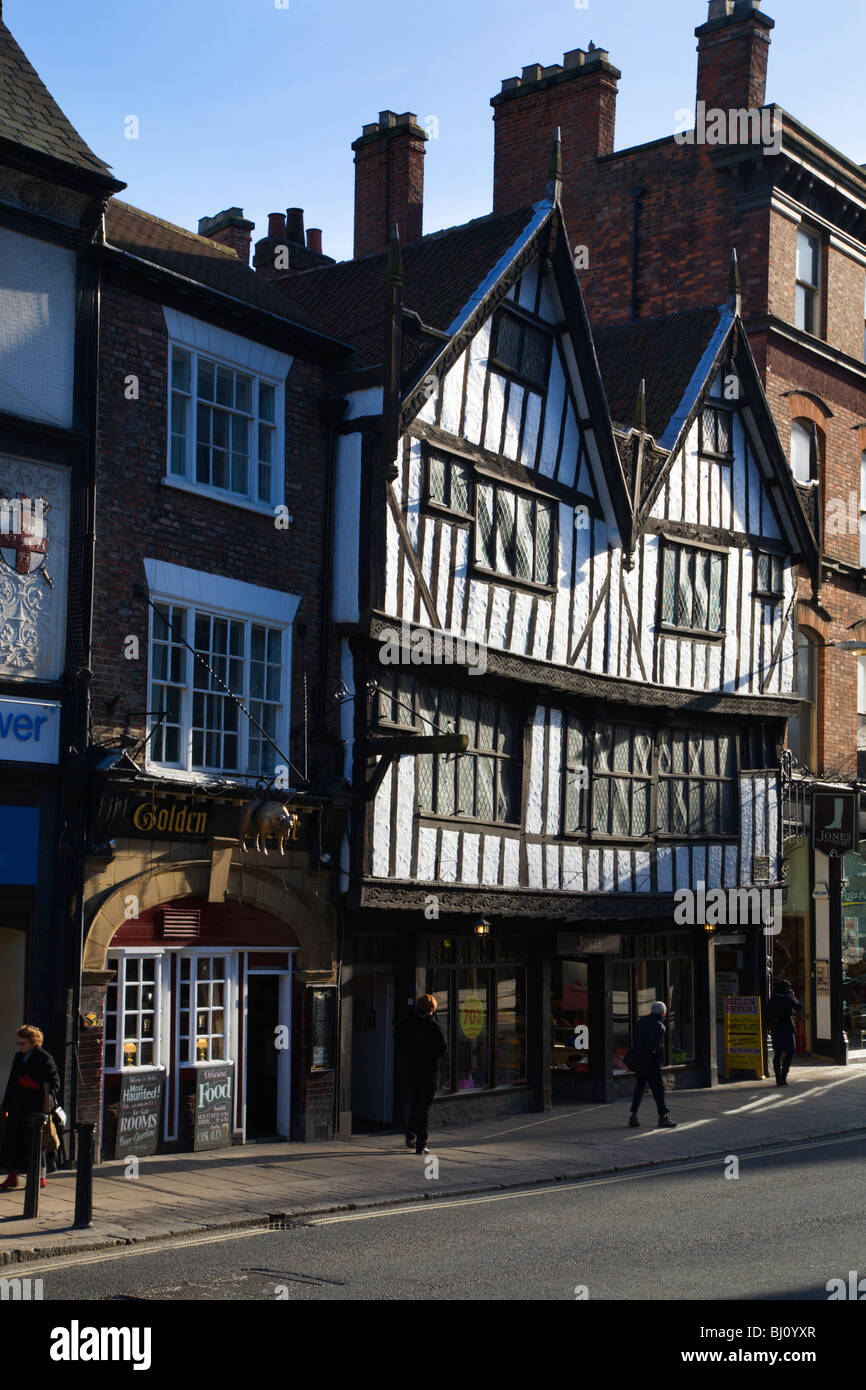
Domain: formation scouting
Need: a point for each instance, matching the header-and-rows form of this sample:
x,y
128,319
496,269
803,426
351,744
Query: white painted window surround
x,y
218,594
230,349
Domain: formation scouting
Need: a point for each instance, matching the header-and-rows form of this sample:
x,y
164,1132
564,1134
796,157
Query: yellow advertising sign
x,y
471,1016
744,1040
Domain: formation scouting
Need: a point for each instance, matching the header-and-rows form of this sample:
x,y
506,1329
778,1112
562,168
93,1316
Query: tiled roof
x,y
440,274
198,258
665,352
30,116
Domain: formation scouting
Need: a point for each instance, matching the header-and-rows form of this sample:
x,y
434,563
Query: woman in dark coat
x,y
33,1085
781,1008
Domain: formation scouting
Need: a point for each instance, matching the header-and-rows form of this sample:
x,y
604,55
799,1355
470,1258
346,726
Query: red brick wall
x,y
389,188
138,516
732,64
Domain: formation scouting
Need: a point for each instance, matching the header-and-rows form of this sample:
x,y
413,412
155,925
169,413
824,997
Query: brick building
x,y
652,228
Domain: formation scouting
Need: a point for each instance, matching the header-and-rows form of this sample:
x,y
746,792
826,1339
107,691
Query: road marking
x,y
152,1247
436,1204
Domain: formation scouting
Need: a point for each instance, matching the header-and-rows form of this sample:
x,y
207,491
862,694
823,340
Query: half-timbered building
x,y
604,612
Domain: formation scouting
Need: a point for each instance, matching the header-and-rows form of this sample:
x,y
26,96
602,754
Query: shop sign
x,y
213,1106
834,822
138,1114
572,943
29,731
472,1016
744,1042
182,820
323,1015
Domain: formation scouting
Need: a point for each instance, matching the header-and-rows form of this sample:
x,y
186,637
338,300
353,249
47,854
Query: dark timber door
x,y
263,1002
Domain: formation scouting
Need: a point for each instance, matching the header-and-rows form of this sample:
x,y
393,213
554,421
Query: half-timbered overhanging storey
x,y
605,609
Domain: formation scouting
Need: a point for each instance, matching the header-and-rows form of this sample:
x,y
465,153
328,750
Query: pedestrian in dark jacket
x,y
647,1054
33,1085
420,1044
781,1007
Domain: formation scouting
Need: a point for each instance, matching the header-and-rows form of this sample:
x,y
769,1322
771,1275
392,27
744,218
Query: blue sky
x,y
241,103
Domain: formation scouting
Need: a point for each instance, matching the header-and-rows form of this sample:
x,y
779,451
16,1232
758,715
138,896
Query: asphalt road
x,y
792,1220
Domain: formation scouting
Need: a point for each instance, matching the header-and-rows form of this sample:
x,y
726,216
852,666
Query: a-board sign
x,y
138,1114
214,1092
744,1042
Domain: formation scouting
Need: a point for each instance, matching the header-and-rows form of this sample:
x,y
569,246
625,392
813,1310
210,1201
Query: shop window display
x,y
481,1011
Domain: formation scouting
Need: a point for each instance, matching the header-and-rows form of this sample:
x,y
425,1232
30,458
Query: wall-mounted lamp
x,y
482,927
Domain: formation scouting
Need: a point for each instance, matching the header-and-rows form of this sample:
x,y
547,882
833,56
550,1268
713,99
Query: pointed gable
x,y
31,118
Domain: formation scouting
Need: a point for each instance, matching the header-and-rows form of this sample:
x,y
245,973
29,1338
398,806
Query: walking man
x,y
420,1044
781,1008
646,1062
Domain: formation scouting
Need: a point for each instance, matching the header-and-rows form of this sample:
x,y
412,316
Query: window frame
x,y
772,593
808,707
698,549
226,350
233,600
707,451
650,778
117,960
230,955
815,450
502,485
527,323
432,503
814,291
702,778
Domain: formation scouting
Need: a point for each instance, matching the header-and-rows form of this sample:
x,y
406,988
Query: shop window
x,y
621,781
658,968
692,588
514,533
132,1013
449,484
570,1012
802,729
203,1009
482,1013
697,788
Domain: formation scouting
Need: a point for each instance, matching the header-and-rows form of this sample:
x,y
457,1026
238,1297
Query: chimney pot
x,y
531,73
575,59
295,226
314,240
277,225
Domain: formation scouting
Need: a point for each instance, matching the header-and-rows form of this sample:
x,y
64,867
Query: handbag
x,y
50,1141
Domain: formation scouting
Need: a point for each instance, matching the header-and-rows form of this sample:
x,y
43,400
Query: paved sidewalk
x,y
230,1188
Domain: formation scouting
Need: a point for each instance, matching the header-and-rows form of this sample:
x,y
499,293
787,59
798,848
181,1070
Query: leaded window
x,y
696,783
692,584
449,483
484,782
621,780
575,778
768,573
514,533
717,431
522,350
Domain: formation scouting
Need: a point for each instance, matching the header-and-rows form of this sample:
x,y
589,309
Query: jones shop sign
x,y
834,821
213,1107
138,1115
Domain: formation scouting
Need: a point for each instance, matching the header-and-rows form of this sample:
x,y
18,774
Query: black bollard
x,y
34,1167
84,1177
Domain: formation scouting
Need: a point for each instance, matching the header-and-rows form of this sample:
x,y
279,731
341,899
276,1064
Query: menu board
x,y
213,1106
138,1115
322,1030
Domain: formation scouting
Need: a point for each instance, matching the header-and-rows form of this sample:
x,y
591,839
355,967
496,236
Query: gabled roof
x,y
664,352
196,258
678,358
29,115
440,275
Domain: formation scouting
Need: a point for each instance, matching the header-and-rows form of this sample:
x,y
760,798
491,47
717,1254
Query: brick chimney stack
x,y
285,251
389,182
733,50
578,96
229,228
